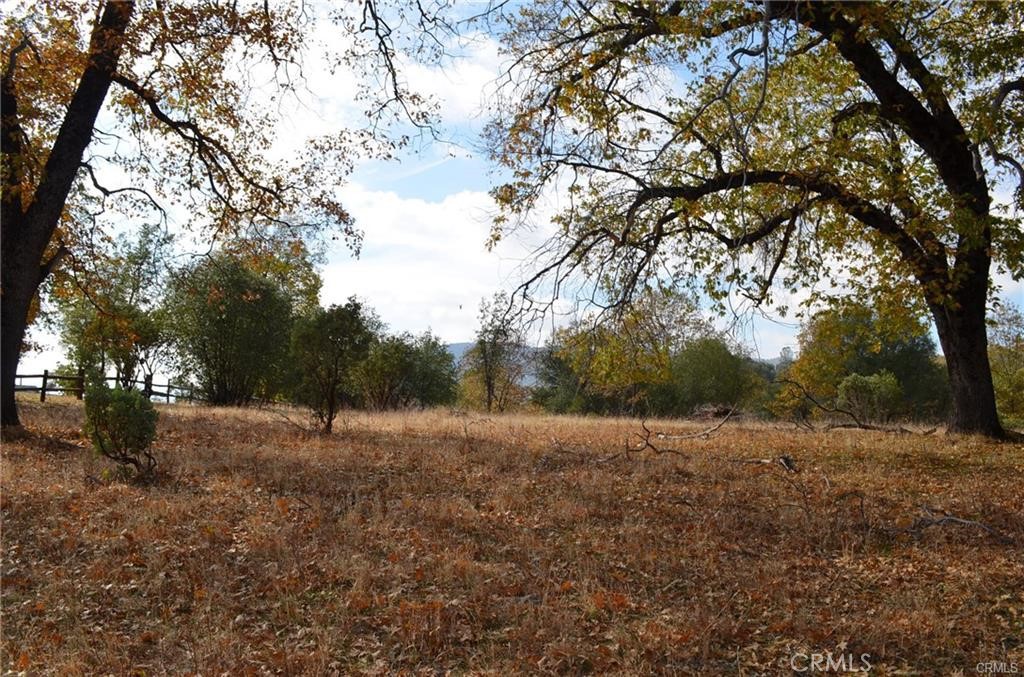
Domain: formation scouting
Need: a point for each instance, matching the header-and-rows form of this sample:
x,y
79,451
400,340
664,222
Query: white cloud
x,y
461,87
424,263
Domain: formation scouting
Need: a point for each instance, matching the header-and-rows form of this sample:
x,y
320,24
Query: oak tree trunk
x,y
964,340
13,314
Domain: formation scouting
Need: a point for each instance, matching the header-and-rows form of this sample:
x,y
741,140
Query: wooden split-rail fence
x,y
74,384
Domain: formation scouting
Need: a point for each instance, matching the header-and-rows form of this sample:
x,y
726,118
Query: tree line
x,y
659,356
242,328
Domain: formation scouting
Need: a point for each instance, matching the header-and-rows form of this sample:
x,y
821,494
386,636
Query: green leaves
x,y
111,316
854,339
326,345
231,328
1006,353
121,424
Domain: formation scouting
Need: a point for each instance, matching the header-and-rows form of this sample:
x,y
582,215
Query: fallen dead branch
x,y
885,429
704,434
302,428
785,461
934,517
561,448
647,444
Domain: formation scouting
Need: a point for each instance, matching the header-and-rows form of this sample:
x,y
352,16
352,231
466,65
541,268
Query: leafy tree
x,y
326,345
497,364
156,94
747,145
117,320
384,378
620,361
707,372
435,375
287,260
657,356
402,371
127,339
617,365
852,338
1006,352
559,387
231,329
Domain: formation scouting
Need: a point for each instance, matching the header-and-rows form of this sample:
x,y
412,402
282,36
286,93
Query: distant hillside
x,y
457,350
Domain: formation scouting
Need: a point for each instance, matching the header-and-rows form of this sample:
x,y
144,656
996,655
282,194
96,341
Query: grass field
x,y
431,542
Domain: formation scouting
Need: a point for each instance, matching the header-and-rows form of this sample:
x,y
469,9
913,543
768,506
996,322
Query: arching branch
x,y
1004,91
219,161
108,192
998,100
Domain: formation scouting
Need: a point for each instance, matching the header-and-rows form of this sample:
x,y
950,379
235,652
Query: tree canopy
x,y
115,317
493,370
401,371
754,148
231,329
853,338
326,345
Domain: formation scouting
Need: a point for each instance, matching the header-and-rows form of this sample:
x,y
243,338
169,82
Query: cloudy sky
x,y
426,216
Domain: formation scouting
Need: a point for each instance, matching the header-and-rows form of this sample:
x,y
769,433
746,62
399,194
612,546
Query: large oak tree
x,y
767,145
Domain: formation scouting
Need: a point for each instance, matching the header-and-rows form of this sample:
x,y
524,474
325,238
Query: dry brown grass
x,y
425,542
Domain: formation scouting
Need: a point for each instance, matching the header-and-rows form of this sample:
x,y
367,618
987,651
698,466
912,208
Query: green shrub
x,y
121,425
871,398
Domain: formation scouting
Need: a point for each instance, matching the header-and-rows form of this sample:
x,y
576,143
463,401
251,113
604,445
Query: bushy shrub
x,y
122,426
231,327
871,398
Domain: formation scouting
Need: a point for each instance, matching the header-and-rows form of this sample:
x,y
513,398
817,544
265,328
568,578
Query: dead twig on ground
x,y
305,429
935,517
788,464
859,495
560,447
647,444
704,434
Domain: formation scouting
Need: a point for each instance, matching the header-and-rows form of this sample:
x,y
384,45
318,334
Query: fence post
x,y
167,392
147,386
80,391
42,391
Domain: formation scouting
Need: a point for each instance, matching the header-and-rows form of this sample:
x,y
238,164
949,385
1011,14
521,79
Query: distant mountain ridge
x,y
458,350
